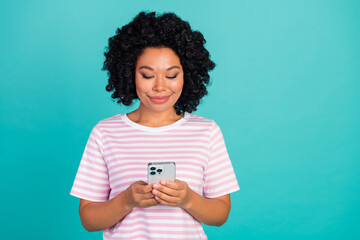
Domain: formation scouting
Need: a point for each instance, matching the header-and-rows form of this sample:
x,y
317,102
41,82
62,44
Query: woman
x,y
163,63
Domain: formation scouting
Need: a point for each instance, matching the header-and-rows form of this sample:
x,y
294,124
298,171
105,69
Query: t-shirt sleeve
x,y
92,180
219,177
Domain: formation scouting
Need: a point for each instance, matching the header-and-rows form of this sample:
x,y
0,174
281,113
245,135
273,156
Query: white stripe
x,y
221,188
193,144
94,180
224,179
122,235
156,155
87,163
216,175
90,193
92,186
85,170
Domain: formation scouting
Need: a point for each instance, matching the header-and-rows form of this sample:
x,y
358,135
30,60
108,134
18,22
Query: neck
x,y
147,117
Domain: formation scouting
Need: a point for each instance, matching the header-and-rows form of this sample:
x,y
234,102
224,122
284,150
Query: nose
x,y
160,83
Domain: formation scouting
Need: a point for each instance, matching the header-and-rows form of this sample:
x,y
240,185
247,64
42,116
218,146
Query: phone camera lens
x,y
152,168
159,170
152,173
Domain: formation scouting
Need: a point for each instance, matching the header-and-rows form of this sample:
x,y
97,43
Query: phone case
x,y
158,171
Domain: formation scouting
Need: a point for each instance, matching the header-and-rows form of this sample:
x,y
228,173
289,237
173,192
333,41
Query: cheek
x,y
177,85
142,86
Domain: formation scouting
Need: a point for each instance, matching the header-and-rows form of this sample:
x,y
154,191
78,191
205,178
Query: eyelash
x,y
147,77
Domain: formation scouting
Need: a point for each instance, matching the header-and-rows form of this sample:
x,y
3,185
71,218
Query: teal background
x,y
285,93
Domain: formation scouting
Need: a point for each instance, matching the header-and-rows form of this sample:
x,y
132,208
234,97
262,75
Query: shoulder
x,y
200,120
108,122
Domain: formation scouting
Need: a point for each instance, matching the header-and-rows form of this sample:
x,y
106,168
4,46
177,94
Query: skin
x,y
158,73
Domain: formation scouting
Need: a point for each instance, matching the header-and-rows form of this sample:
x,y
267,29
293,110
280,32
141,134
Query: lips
x,y
159,99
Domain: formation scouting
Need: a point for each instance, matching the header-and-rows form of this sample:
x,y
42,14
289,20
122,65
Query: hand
x,y
139,194
175,194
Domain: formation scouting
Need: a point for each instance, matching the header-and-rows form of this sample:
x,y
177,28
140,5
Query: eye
x,y
172,77
146,77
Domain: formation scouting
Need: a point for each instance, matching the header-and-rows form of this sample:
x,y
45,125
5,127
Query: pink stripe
x,y
187,135
215,185
94,163
158,210
120,148
95,135
88,153
96,149
195,170
197,178
158,142
91,176
125,164
90,168
92,182
128,175
88,190
116,125
216,135
213,182
214,170
199,131
141,236
168,223
158,152
221,146
144,164
128,171
87,196
223,191
220,154
146,217
167,232
151,159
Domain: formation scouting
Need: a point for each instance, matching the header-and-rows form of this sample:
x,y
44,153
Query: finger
x,y
164,202
148,195
148,187
167,190
177,185
165,197
149,203
144,189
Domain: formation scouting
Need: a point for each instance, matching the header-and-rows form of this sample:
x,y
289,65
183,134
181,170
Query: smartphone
x,y
158,171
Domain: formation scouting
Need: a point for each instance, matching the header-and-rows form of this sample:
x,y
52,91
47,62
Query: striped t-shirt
x,y
117,154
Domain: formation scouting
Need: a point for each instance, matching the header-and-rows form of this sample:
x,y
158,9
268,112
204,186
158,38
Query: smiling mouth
x,y
159,100
162,97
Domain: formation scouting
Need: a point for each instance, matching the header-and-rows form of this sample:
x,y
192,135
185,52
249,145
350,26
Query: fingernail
x,y
155,191
155,186
163,182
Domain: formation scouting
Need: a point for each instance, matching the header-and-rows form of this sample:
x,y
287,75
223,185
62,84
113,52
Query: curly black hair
x,y
166,30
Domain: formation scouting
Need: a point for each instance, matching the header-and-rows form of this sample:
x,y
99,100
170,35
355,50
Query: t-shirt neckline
x,y
156,129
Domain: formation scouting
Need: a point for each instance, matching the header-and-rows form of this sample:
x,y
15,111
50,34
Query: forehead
x,y
158,57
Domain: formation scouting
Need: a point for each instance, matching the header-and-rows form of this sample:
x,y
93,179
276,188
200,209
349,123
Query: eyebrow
x,y
149,68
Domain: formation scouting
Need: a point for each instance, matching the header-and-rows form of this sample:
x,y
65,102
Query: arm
x,y
96,216
210,211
